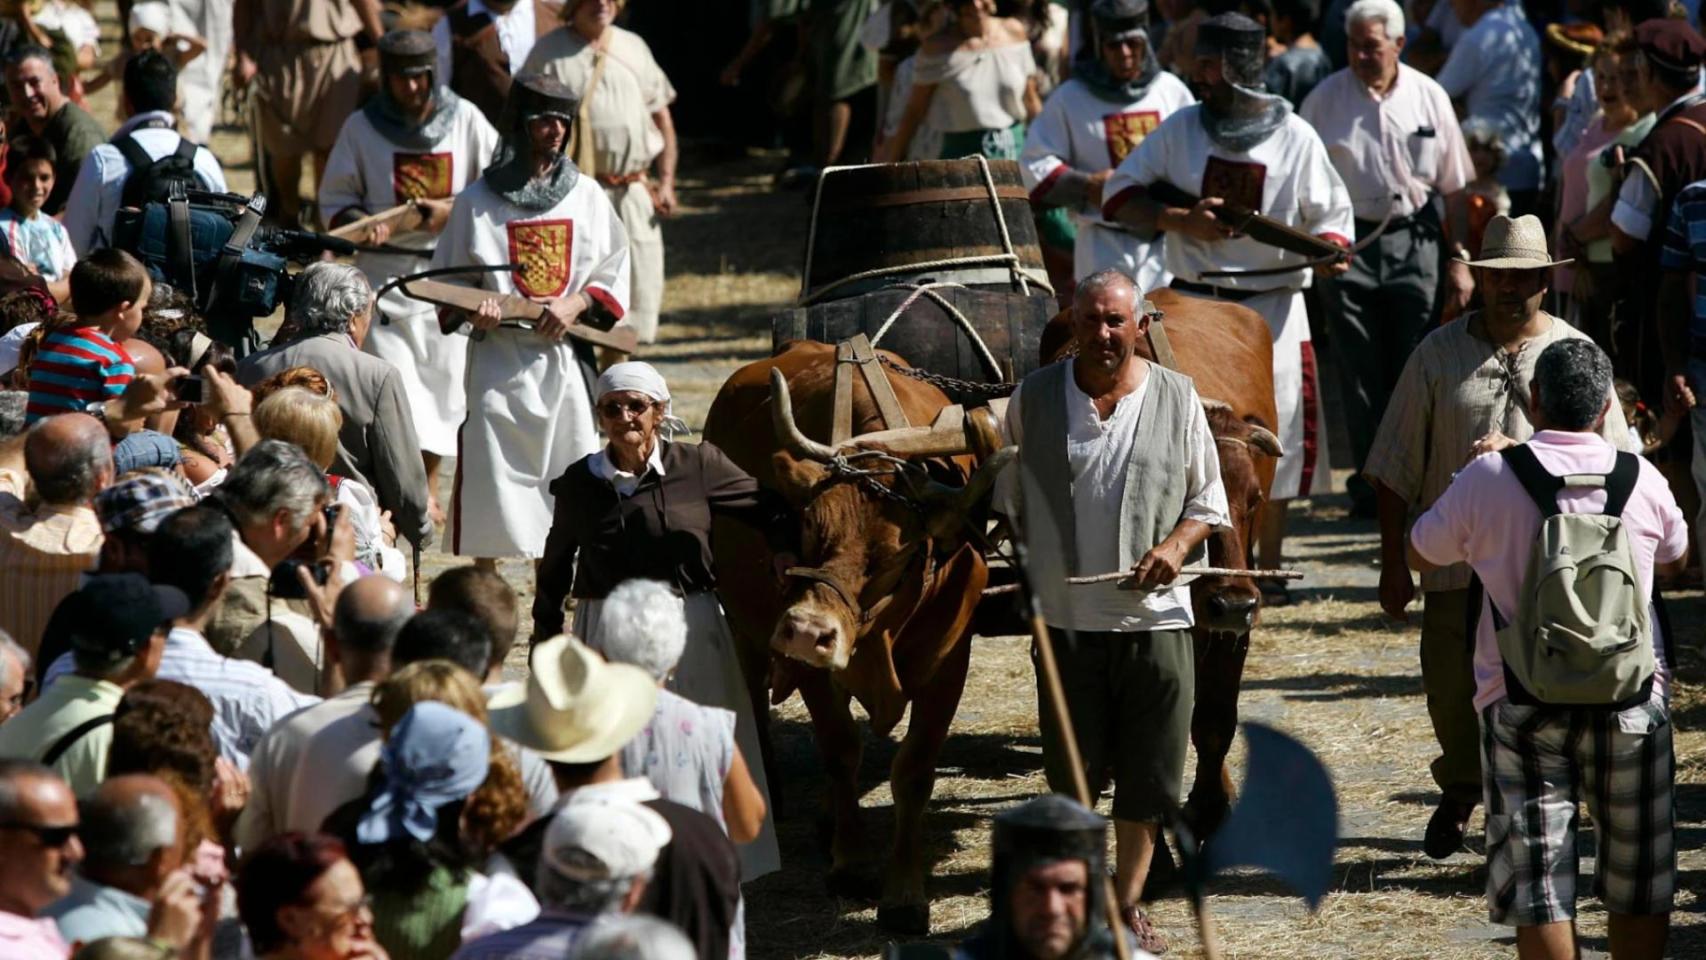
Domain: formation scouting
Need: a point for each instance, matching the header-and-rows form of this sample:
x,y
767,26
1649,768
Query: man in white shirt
x,y
288,794
192,551
482,43
103,181
1243,147
1117,95
1113,436
1393,137
1494,71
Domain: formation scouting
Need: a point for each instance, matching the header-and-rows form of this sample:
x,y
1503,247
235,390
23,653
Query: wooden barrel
x,y
895,216
928,337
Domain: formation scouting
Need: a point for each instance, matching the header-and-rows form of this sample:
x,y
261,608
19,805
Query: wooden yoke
x,y
857,350
1159,346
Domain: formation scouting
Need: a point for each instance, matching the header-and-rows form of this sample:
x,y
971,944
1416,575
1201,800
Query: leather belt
x,y
621,179
1220,293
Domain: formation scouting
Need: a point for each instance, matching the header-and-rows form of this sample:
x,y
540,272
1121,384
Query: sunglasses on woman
x,y
611,409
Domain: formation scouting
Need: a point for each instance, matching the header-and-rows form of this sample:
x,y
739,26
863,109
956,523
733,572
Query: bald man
x,y
44,550
149,360
38,848
290,793
132,881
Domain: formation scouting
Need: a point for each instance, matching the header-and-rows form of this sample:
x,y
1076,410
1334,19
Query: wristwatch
x,y
96,409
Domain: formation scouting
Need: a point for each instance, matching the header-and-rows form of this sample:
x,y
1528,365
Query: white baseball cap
x,y
603,839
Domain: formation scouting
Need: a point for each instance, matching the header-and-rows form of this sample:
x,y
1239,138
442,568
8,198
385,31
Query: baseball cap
x,y
114,614
603,839
139,502
143,449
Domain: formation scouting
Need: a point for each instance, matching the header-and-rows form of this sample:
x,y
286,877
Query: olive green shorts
x,y
1129,696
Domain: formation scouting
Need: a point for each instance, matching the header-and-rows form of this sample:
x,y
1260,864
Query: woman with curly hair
x,y
438,802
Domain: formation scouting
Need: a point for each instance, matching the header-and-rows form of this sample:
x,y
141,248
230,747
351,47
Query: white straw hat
x,y
574,707
1518,244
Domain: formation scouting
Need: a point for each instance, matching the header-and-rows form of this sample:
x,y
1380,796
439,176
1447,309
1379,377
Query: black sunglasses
x,y
52,837
611,409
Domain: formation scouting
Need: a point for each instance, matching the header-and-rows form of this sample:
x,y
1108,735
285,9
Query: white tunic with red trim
x,y
368,173
529,417
1084,131
1287,177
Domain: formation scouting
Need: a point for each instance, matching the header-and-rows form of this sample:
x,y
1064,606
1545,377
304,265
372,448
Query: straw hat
x,y
574,708
1518,244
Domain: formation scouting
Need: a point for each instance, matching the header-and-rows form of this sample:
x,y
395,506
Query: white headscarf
x,y
642,378
153,16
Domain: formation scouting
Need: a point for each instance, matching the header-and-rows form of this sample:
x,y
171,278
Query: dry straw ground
x,y
1330,669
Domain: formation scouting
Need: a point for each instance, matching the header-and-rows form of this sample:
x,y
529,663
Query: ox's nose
x,y
812,638
1233,612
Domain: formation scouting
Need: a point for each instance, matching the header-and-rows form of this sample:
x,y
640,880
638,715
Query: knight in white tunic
x,y
1245,147
1118,94
529,403
624,128
413,141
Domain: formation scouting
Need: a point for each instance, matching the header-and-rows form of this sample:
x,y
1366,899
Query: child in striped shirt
x,y
81,361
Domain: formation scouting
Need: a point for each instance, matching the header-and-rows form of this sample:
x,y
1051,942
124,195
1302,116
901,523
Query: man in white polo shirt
x,y
1392,135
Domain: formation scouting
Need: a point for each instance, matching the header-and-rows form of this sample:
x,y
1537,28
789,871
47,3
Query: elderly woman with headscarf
x,y
409,837
641,508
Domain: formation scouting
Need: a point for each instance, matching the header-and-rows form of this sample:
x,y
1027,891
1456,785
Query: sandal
x,y
1148,938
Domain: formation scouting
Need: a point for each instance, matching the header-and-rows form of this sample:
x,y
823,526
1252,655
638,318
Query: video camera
x,y
213,248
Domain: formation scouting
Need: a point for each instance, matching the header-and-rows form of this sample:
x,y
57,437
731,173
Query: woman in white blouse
x,y
976,80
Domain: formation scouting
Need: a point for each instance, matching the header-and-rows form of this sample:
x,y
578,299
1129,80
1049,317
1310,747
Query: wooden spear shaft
x,y
1074,760
1192,571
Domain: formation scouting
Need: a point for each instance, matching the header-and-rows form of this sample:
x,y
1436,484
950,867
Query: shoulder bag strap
x,y
1620,483
71,737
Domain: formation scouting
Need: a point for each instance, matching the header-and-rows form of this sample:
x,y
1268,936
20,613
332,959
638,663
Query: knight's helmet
x,y
535,95
1040,832
407,52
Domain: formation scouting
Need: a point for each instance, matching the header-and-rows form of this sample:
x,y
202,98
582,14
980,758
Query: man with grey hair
x,y
32,81
595,862
1089,427
45,548
15,681
634,937
330,312
274,495
1392,135
1461,390
133,881
297,771
1541,755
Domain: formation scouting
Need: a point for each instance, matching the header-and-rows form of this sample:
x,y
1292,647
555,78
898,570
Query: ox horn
x,y
956,503
1264,440
1211,405
787,431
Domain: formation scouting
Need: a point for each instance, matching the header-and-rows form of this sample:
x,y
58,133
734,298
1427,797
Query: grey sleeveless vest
x,y
1152,502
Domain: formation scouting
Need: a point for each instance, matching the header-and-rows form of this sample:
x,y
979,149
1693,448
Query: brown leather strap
x,y
1687,122
841,427
1159,346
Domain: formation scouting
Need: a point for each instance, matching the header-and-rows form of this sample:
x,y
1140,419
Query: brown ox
x,y
1227,351
881,612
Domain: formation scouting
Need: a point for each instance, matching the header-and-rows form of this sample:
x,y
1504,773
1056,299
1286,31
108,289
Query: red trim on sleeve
x,y
1047,184
1111,206
606,301
1335,238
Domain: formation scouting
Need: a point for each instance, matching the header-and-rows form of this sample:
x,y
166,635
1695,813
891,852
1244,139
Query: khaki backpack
x,y
1581,636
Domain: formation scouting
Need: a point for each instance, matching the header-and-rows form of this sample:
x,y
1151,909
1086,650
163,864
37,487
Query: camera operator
x,y
276,497
332,310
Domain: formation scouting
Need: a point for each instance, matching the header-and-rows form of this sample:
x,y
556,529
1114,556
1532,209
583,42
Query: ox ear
x,y
1263,439
795,479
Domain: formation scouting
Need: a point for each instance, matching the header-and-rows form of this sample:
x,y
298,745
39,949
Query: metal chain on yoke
x,y
945,383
